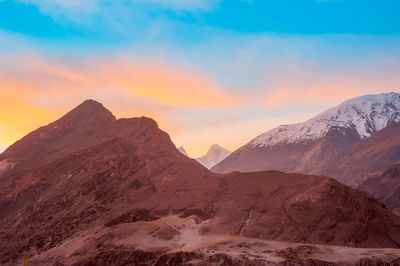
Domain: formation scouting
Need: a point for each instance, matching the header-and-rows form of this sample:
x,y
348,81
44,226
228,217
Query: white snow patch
x,y
366,114
215,154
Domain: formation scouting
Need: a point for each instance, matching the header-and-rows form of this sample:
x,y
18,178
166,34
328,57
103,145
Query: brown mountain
x,y
385,187
133,198
338,153
76,130
370,166
365,159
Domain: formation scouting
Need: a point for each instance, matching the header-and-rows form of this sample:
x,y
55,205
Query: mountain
x,y
76,130
370,166
214,155
132,198
365,159
385,187
182,150
303,147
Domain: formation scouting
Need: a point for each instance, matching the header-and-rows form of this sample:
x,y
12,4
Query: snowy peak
x,y
366,114
216,150
215,154
182,150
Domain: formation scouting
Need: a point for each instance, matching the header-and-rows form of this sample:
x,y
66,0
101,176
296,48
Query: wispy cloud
x,y
200,94
224,88
93,5
37,89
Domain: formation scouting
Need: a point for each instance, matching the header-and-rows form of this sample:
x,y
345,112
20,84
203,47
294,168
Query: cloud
x,y
317,85
37,89
73,7
226,89
157,81
166,4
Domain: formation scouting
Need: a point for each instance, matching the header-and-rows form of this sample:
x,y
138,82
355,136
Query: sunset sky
x,y
207,71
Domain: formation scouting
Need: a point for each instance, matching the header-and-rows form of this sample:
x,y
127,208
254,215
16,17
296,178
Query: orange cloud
x,y
161,82
191,107
36,90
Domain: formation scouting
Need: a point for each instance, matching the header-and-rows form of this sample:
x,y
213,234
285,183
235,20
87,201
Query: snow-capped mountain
x,y
366,114
182,150
305,146
215,154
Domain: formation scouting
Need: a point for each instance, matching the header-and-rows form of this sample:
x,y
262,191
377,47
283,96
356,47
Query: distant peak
x,y
182,150
215,154
216,147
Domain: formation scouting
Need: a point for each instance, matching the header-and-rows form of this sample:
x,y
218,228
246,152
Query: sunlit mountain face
x,y
188,132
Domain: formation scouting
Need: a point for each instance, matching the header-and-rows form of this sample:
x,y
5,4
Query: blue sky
x,y
93,19
203,69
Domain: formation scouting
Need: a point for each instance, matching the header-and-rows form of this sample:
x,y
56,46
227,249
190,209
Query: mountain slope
x,y
74,131
136,192
304,146
214,155
182,150
364,159
385,187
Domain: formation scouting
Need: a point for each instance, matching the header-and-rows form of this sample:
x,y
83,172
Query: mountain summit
x,y
87,111
214,155
183,151
75,130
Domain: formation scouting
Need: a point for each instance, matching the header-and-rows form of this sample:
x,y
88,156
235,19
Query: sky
x,y
208,71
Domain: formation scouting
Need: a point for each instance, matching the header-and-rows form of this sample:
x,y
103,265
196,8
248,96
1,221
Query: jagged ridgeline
x,y
89,189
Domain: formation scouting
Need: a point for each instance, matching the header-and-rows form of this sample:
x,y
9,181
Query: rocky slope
x,y
76,130
365,159
362,164
214,155
385,187
132,196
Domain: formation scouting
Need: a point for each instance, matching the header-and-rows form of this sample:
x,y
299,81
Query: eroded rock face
x,y
124,190
385,187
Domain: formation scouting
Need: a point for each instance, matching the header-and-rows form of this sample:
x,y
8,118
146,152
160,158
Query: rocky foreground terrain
x,y
175,240
92,190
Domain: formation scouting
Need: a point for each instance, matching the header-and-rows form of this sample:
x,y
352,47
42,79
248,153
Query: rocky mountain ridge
x,y
128,193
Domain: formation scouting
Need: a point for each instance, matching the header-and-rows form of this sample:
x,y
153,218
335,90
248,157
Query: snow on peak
x,y
215,154
366,114
182,150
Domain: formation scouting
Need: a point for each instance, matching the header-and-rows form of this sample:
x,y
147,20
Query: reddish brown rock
x,y
135,175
